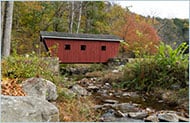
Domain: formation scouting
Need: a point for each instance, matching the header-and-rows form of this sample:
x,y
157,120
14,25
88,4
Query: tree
x,y
58,15
116,19
7,12
140,36
96,17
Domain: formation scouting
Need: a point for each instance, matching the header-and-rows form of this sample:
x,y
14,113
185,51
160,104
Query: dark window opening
x,y
83,47
67,46
103,48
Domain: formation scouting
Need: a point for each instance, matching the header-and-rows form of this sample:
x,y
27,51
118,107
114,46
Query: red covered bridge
x,y
81,48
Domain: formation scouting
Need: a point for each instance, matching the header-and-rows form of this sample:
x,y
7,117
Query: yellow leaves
x,y
116,17
124,43
102,27
139,33
5,80
33,5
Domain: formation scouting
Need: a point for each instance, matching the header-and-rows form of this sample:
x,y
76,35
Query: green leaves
x,y
26,67
168,67
166,55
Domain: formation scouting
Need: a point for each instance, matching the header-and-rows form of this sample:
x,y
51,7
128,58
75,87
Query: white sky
x,y
163,9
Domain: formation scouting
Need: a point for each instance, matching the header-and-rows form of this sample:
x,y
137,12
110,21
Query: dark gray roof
x,y
61,35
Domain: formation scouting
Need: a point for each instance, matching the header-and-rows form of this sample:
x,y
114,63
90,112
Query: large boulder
x,y
27,109
40,87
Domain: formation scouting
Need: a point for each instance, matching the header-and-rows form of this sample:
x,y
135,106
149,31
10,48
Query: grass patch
x,y
77,110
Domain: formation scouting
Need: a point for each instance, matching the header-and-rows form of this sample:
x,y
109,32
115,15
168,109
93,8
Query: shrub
x,y
166,68
25,67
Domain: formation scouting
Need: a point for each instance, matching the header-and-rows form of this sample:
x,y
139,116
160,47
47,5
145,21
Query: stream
x,y
117,105
121,105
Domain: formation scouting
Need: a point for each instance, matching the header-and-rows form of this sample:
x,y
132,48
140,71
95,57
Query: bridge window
x,y
67,46
103,48
83,47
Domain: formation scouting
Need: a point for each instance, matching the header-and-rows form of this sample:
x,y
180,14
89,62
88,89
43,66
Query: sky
x,y
162,9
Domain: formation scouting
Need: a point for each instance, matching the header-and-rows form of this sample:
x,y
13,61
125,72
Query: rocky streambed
x,y
123,105
117,105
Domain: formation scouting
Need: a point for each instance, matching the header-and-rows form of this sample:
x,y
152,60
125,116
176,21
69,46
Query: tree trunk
x,y
71,17
6,29
2,20
79,19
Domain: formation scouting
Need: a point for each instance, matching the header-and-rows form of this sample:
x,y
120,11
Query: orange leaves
x,y
11,88
139,34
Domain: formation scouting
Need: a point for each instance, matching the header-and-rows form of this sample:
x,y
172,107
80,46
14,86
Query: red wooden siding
x,y
92,54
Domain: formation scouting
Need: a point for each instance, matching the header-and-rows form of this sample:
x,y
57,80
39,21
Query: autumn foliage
x,y
29,18
140,36
12,88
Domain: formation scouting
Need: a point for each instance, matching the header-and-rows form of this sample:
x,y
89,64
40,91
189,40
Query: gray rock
x,y
67,93
182,119
115,71
110,116
150,110
40,87
109,112
130,94
126,107
96,107
168,117
93,88
79,90
118,113
27,109
151,118
138,115
106,86
103,92
51,92
116,119
123,107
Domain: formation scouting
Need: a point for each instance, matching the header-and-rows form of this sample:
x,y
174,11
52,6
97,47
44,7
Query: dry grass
x,y
111,77
77,110
94,74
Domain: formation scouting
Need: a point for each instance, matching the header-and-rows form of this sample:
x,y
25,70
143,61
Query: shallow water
x,y
143,100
